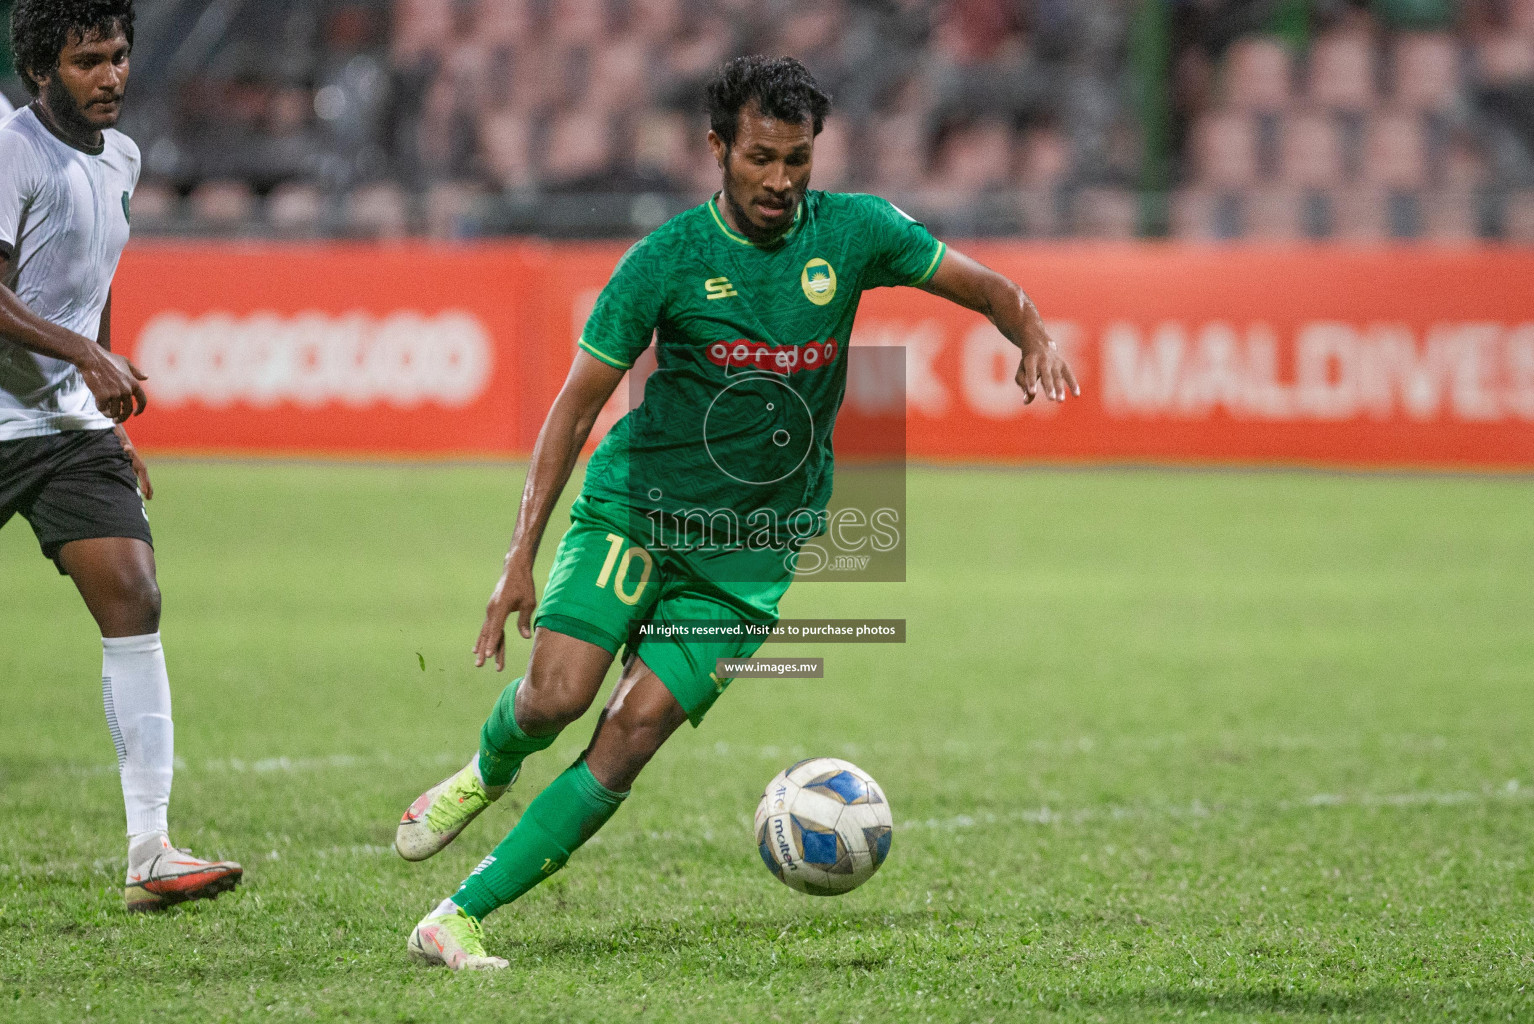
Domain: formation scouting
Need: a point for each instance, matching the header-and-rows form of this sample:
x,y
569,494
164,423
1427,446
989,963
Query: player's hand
x,y
140,470
1044,369
114,382
514,592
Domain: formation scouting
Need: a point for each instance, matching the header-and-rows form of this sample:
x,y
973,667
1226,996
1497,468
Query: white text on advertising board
x,y
403,360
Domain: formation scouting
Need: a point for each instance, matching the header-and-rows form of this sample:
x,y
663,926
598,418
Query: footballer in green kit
x,y
696,503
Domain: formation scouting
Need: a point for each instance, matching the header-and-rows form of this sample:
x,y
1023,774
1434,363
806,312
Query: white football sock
x,y
136,692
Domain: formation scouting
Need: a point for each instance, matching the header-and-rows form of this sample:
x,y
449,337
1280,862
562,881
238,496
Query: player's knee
x,y
139,603
550,699
638,732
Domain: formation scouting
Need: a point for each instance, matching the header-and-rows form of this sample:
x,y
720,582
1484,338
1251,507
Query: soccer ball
x,y
823,826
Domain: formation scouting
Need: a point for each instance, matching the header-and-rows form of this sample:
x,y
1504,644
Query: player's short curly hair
x,y
40,29
781,86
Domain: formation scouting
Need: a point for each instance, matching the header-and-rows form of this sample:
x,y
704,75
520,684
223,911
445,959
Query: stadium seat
x,y
1451,215
447,206
657,20
1205,215
1341,74
471,68
578,21
421,27
620,74
295,210
1503,59
1224,149
1273,214
664,146
1310,151
1425,71
975,158
1464,166
580,145
833,164
222,205
1038,211
692,57
154,206
705,170
378,211
1106,213
810,28
1044,158
1521,17
536,78
1360,214
1518,218
1395,151
900,149
505,144
1258,72
503,22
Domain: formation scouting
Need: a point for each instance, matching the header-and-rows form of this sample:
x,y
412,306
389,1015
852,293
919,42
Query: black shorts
x,y
71,486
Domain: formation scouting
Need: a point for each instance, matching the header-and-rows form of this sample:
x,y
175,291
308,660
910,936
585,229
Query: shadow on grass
x,y
708,936
1429,1002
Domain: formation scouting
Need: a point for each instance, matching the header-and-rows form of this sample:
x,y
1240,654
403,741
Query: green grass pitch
x,y
1162,745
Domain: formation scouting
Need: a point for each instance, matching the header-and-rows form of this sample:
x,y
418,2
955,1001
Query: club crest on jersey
x,y
818,279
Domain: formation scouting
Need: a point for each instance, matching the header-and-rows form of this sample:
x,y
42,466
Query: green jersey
x,y
751,356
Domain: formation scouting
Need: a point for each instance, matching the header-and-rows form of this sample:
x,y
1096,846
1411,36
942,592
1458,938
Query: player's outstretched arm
x,y
112,379
974,286
587,388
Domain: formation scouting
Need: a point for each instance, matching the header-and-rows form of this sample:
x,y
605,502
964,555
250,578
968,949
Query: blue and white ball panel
x,y
845,786
812,768
878,839
820,847
823,826
818,809
764,847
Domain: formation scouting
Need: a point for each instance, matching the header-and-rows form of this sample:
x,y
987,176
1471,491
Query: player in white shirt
x,y
5,106
66,178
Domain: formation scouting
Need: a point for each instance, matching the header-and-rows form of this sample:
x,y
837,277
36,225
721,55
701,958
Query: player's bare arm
x,y
587,388
975,286
113,380
140,469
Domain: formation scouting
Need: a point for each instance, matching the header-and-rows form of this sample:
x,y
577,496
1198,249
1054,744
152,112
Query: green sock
x,y
566,814
502,743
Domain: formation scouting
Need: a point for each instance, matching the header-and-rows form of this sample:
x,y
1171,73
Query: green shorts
x,y
606,586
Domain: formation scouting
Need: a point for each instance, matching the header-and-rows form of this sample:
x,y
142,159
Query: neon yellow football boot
x,y
443,811
453,940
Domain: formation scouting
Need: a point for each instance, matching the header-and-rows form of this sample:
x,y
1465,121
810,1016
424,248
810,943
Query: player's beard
x,y
749,227
68,117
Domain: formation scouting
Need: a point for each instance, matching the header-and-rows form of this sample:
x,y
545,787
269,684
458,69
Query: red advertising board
x,y
1386,357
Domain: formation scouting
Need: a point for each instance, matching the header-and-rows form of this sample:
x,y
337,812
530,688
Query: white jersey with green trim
x,y
63,225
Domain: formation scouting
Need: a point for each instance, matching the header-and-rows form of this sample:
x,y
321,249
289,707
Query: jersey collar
x,y
736,236
47,124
